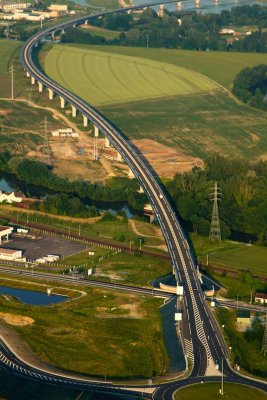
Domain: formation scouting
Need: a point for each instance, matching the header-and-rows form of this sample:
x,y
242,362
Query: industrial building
x,y
5,231
10,254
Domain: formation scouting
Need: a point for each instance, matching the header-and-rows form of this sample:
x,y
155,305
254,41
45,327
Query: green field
x,y
7,48
98,31
105,332
103,78
196,123
210,391
217,65
251,258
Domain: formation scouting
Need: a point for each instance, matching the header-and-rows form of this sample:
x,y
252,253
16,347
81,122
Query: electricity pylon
x,y
215,231
12,81
47,154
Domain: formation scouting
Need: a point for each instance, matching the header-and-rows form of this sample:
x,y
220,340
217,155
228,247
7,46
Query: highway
x,y
203,340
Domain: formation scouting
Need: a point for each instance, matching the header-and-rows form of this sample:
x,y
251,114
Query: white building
x,y
10,197
10,254
58,7
5,231
7,7
261,298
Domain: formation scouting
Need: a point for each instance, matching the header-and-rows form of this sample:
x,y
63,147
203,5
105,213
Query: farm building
x,y
261,298
5,231
10,254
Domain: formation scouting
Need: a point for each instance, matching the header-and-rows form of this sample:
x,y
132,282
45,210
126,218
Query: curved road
x,y
203,340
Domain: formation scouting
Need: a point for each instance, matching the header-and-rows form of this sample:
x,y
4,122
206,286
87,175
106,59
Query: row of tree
x,y
189,30
40,174
63,204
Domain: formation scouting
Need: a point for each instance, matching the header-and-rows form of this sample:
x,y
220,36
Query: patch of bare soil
x,y
166,161
5,112
17,320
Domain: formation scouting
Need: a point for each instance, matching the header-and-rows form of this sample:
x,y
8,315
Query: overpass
x,y
203,341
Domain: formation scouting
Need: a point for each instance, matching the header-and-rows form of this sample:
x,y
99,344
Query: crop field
x,y
220,66
104,78
194,123
251,258
7,48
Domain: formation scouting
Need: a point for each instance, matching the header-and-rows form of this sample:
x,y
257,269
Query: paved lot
x,y
35,246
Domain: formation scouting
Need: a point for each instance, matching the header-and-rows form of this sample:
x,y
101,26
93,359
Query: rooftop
x,y
8,251
5,228
261,295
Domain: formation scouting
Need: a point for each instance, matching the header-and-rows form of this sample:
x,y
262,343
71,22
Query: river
x,y
9,183
204,6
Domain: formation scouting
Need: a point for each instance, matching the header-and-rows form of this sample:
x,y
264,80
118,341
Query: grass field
x,y
105,332
196,123
210,391
98,31
7,48
251,258
103,78
217,65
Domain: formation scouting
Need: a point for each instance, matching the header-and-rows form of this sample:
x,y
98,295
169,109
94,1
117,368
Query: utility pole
x,y
264,340
12,81
222,379
215,231
95,149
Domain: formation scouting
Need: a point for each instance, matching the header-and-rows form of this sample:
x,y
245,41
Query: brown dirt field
x,y
5,112
18,320
166,161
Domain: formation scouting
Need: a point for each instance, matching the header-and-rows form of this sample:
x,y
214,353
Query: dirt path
x,y
135,230
56,114
61,217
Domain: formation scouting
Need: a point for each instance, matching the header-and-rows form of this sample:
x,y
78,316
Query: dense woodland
x,y
40,174
243,205
189,30
250,85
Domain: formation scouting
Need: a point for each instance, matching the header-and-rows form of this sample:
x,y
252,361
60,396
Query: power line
x,y
215,231
46,152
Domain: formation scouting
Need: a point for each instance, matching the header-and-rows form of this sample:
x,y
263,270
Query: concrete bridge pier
x,y
86,22
62,102
96,131
140,190
50,94
131,174
107,142
33,80
28,74
85,121
73,111
62,31
40,87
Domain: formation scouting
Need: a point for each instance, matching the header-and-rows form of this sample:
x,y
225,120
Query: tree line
x,y
117,189
185,30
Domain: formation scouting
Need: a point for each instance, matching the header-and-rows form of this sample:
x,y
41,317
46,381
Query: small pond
x,y
32,297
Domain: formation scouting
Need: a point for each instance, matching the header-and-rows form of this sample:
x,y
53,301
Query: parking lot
x,y
35,246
